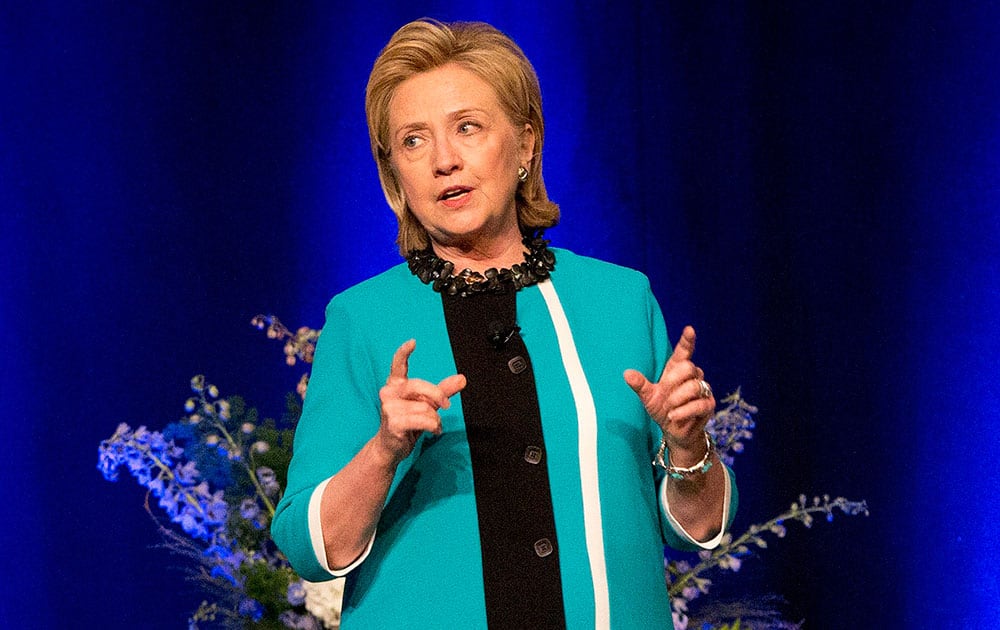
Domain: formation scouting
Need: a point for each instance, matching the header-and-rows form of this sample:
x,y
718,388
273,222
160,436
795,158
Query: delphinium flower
x,y
300,345
685,582
155,463
206,612
292,619
250,511
227,559
731,426
268,481
251,608
303,385
218,473
233,439
296,593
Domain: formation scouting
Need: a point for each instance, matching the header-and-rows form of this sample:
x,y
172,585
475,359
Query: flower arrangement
x,y
729,427
218,472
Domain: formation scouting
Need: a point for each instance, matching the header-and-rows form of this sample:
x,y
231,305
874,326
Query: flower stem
x,y
249,470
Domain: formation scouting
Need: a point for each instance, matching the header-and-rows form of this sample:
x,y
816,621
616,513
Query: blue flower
x,y
296,593
225,573
186,474
109,459
168,501
299,622
251,608
156,486
190,523
217,509
268,480
141,436
249,509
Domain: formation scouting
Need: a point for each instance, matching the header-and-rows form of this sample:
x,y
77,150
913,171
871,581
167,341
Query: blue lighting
x,y
815,189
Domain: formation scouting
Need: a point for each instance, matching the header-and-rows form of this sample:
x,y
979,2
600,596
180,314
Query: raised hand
x,y
409,406
681,402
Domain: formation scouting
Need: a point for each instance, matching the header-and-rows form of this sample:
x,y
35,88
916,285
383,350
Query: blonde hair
x,y
426,44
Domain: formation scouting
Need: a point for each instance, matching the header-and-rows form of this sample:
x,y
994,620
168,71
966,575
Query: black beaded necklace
x,y
539,261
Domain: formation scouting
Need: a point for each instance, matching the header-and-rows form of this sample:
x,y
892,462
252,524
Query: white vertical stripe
x,y
586,415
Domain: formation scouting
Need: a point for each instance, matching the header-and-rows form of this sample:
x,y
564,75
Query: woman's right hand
x,y
409,406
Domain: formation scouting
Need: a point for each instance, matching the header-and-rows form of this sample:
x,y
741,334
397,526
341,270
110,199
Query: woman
x,y
494,469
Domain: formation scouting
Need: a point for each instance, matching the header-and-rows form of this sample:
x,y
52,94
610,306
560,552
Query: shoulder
x,y
595,274
391,281
392,299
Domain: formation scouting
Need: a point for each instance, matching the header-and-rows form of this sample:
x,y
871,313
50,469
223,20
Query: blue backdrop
x,y
816,189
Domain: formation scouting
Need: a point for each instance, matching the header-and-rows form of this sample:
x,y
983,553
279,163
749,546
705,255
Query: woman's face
x,y
456,154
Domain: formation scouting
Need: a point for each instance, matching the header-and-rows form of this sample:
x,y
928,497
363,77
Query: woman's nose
x,y
447,159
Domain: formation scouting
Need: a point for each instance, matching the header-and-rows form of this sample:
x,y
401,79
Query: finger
x,y
636,380
436,395
675,373
406,417
418,389
688,390
397,411
451,386
684,349
401,360
698,410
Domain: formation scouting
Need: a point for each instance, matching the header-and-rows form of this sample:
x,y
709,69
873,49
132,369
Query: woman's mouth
x,y
453,192
454,196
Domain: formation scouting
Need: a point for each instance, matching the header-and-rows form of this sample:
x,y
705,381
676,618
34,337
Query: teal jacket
x,y
583,328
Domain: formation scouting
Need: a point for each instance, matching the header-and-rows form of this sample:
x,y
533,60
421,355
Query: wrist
x,y
385,452
685,463
686,454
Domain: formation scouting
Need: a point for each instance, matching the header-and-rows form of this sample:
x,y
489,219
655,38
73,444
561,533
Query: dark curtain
x,y
815,188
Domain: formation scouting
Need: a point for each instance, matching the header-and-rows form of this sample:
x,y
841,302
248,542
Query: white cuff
x,y
726,504
316,535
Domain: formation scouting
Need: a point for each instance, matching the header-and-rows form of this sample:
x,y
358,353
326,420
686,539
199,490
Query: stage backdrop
x,y
815,188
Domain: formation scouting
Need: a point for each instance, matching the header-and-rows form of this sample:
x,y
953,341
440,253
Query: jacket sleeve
x,y
674,535
340,414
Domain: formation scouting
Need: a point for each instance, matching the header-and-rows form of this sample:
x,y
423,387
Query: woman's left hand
x,y
680,402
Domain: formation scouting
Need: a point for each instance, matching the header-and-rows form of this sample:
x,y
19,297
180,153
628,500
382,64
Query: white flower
x,y
323,601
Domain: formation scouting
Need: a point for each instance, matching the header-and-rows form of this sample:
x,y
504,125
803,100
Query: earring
x,y
522,174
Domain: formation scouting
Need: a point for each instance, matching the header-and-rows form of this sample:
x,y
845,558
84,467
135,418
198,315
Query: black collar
x,y
439,273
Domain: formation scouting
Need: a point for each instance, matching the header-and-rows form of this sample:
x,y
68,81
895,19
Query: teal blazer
x,y
583,328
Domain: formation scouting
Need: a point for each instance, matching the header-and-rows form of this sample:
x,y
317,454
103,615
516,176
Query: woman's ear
x,y
527,144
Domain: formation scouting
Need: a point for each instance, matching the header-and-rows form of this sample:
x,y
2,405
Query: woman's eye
x,y
411,142
468,127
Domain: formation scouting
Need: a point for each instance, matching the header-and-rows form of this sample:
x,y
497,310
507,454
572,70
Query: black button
x,y
543,547
517,364
532,454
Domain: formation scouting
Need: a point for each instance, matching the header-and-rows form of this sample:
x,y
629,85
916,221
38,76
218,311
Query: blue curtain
x,y
814,188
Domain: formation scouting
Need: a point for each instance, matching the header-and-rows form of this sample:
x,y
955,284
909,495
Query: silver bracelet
x,y
679,473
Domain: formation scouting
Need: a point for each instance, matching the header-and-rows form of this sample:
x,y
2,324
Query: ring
x,y
706,389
